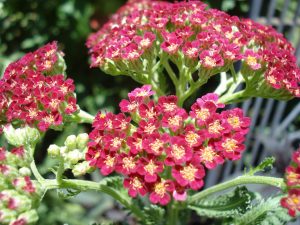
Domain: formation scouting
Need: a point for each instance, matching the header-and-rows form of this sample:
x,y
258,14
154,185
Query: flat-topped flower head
x,y
34,90
144,34
161,150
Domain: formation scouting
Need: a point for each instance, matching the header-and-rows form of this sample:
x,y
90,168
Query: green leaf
x,y
113,182
226,205
154,215
267,212
267,163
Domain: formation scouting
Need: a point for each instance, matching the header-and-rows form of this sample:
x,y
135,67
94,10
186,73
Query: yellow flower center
x,y
109,161
188,173
229,145
177,151
116,142
128,163
150,128
54,103
169,107
208,154
234,121
49,119
150,167
209,61
215,127
136,183
138,143
156,145
175,120
160,189
202,114
191,138
251,61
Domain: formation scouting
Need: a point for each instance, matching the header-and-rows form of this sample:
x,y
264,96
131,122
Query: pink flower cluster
x,y
292,176
18,191
32,92
144,30
160,148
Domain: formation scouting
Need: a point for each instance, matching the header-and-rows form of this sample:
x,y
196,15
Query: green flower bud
x,y
21,136
54,151
63,151
22,203
82,168
74,156
25,171
30,217
6,216
82,140
70,142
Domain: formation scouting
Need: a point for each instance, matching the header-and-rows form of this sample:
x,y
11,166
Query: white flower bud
x,y
25,171
82,140
70,142
74,156
81,169
54,151
21,136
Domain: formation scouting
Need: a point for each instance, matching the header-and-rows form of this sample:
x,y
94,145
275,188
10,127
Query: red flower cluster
x,y
143,31
292,201
33,92
160,148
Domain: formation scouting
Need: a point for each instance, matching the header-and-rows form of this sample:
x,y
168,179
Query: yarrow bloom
x,y
146,33
292,178
34,90
161,150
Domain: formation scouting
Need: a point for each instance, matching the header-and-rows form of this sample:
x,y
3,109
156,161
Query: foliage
x,y
229,205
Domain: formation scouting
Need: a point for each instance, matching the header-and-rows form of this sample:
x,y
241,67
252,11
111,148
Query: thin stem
x,y
233,97
83,185
171,72
36,173
272,181
60,171
83,117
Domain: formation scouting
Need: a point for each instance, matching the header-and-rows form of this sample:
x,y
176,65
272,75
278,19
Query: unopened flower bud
x,y
21,136
82,140
63,151
30,217
19,203
70,142
25,171
54,151
81,169
6,216
74,156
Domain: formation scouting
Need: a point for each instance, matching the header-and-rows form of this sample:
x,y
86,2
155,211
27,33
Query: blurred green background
x,y
28,24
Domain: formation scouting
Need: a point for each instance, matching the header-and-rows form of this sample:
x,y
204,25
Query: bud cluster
x,y
18,193
160,148
145,34
34,90
292,177
73,154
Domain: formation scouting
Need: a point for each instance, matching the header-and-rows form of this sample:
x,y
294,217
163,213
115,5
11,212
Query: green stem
x,y
272,181
172,217
36,173
83,185
60,171
233,97
171,73
83,117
